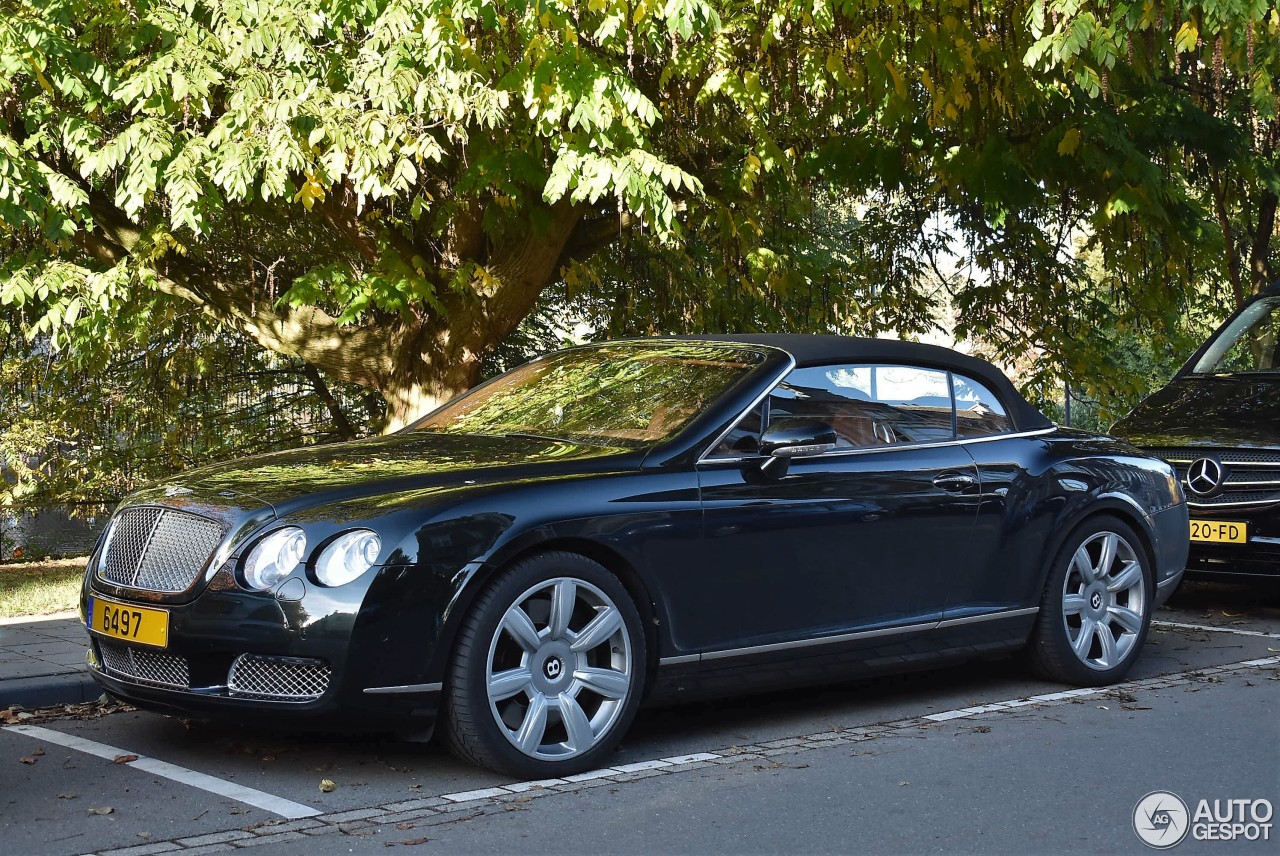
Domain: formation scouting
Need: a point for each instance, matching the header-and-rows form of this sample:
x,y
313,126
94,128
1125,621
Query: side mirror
x,y
797,438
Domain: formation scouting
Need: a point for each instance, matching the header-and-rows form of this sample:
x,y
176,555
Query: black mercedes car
x,y
657,519
1218,423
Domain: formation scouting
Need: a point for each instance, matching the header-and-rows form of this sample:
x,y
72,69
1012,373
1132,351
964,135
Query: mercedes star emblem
x,y
1204,476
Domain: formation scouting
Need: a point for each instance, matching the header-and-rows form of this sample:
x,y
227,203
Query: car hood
x,y
1207,411
319,475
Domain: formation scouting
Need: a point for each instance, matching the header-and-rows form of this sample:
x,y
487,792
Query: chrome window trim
x,y
755,402
896,448
846,637
704,459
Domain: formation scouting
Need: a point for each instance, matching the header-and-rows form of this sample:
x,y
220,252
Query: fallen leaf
x,y
124,759
327,785
414,787
37,751
404,826
106,809
67,796
412,842
27,760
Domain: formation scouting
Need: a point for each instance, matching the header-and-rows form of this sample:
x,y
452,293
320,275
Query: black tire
x,y
561,682
1079,616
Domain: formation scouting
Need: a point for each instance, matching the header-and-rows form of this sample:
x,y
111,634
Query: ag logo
x,y
1161,819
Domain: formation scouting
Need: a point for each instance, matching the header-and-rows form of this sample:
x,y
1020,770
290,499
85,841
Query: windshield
x,y
1248,344
626,394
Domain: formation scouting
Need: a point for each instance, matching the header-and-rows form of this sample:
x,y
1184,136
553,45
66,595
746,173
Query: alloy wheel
x,y
559,669
1104,600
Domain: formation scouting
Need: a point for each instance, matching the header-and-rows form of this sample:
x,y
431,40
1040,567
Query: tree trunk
x,y
1260,272
415,363
442,357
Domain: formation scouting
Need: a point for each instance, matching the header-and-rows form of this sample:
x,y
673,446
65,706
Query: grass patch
x,y
39,588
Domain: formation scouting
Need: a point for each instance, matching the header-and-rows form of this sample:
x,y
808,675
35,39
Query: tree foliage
x,y
384,189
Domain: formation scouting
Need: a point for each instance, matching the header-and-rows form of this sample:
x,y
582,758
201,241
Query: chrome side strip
x,y
990,616
846,637
406,688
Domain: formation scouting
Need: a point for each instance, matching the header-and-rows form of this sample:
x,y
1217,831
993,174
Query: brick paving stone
x,y
214,838
142,849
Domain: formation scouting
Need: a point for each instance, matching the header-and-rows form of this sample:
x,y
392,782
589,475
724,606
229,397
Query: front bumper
x,y
319,658
1258,558
1169,549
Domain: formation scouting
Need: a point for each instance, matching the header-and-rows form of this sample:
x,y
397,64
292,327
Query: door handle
x,y
955,482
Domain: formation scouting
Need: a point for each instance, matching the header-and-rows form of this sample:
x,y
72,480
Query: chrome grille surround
x,y
278,678
144,667
1250,476
158,549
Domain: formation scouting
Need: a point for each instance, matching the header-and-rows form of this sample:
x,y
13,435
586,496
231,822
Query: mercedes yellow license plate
x,y
1220,531
139,624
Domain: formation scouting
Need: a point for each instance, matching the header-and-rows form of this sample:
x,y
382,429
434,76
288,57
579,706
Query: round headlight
x,y
274,557
347,557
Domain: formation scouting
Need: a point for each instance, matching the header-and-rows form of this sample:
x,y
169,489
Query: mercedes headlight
x,y
347,557
274,557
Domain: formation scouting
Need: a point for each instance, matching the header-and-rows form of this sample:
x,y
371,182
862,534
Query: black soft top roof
x,y
816,350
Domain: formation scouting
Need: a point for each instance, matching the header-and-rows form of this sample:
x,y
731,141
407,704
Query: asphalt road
x,y
979,759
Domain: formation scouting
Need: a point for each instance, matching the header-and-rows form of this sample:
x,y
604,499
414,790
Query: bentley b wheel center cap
x,y
553,668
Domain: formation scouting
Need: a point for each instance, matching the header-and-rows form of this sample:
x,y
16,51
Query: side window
x,y
744,439
870,405
978,412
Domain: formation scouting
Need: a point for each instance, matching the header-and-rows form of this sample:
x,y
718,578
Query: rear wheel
x,y
548,669
1096,607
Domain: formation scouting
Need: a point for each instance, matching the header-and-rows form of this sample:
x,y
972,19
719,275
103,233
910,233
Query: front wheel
x,y
548,669
1096,607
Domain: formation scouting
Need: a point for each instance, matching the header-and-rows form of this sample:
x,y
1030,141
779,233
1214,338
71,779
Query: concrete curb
x,y
42,662
48,691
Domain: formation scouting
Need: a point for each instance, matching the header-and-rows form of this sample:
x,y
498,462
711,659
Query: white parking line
x,y
1178,625
239,793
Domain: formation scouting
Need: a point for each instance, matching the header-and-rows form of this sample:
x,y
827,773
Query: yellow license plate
x,y
138,624
1220,531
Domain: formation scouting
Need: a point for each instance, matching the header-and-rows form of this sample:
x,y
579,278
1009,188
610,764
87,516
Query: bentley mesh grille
x,y
1249,476
158,549
145,667
278,678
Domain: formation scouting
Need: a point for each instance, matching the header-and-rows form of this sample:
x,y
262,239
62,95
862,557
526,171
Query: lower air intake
x,y
145,667
278,678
